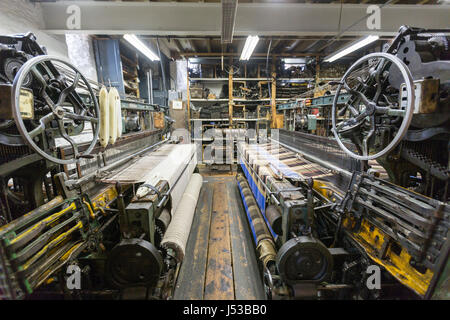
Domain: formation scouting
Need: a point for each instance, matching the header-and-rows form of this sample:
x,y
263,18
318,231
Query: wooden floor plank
x,y
220,261
247,280
219,273
191,279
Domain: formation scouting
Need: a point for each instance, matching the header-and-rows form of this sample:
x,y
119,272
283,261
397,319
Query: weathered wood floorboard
x,y
220,261
191,280
219,272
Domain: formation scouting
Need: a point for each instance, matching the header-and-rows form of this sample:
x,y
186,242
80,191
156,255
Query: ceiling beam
x,y
292,46
312,45
192,45
201,19
329,43
275,44
178,45
209,44
227,54
273,38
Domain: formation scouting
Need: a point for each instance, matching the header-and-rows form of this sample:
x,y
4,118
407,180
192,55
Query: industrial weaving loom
x,y
327,211
98,195
86,185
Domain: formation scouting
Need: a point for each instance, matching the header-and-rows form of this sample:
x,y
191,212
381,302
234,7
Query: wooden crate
x,y
159,120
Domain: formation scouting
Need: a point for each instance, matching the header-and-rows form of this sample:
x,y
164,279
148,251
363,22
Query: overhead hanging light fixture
x,y
249,46
229,9
352,47
138,44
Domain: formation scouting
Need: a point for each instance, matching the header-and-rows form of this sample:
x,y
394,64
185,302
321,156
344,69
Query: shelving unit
x,y
130,66
119,66
250,114
231,99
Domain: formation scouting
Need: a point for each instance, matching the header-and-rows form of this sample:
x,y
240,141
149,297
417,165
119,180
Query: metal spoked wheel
x,y
369,102
56,103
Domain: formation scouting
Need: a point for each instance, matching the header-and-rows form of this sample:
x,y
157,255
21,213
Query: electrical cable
x,y
340,17
330,41
267,70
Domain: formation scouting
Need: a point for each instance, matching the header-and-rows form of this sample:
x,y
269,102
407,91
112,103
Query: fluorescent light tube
x,y
294,60
229,9
249,46
353,47
138,44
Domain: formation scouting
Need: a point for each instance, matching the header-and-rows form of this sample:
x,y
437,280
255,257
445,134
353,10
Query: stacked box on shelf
x,y
195,114
196,93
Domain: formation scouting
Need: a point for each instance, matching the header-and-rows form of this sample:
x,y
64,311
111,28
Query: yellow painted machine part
x,y
52,243
101,200
54,202
65,257
91,212
326,190
371,241
397,265
70,251
99,203
47,220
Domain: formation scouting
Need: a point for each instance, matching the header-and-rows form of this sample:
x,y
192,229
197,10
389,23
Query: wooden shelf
x,y
129,75
130,67
225,119
256,100
295,79
128,61
208,79
127,87
244,119
252,79
208,100
269,102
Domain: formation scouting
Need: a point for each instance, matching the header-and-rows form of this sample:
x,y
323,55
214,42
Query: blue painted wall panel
x,y
109,64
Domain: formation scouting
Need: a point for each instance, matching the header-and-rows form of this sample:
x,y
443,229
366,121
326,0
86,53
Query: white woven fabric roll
x,y
119,117
178,231
104,117
113,96
176,167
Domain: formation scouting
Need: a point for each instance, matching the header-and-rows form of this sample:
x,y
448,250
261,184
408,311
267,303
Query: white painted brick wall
x,y
81,54
21,16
